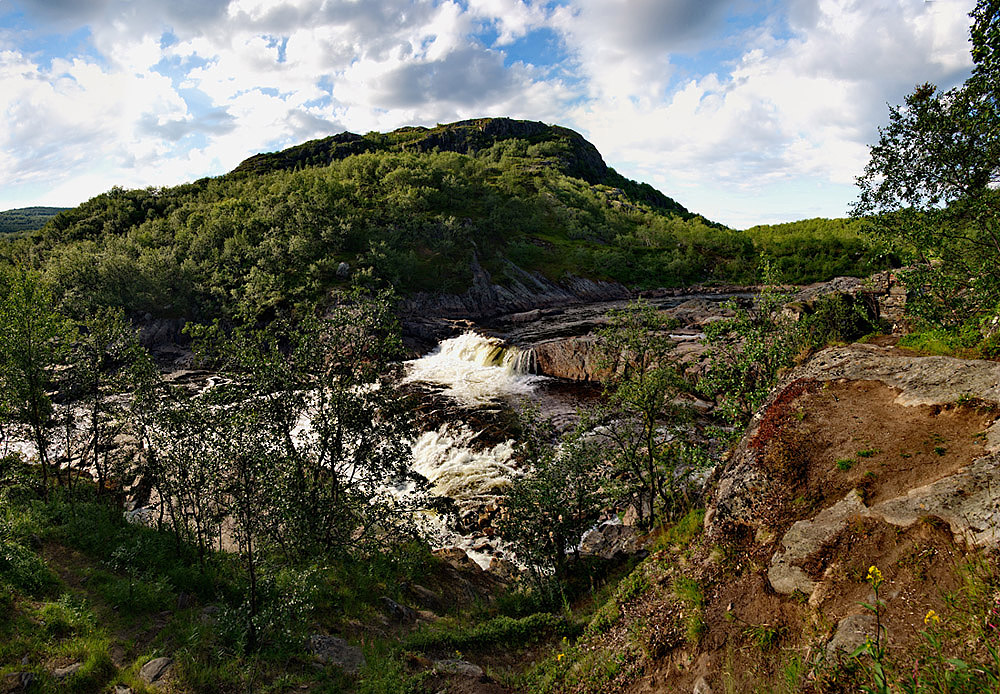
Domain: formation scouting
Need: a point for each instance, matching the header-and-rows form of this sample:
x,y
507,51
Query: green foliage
x,y
651,467
27,218
272,236
691,593
549,508
839,318
747,351
33,341
684,531
813,250
929,190
765,637
505,631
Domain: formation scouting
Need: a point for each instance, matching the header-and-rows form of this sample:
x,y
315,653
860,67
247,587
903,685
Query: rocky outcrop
x,y
573,358
331,650
863,435
430,317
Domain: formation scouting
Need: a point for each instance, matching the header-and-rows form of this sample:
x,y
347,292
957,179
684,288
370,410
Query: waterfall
x,y
476,369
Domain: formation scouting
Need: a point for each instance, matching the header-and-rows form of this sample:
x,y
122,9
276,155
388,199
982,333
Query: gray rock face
x,y
610,542
331,650
701,686
155,669
426,316
574,358
459,667
852,631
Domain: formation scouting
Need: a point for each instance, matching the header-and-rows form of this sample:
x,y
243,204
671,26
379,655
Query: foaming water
x,y
454,469
476,369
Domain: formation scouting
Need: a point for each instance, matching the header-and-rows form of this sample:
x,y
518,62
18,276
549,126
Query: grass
x,y
690,592
765,637
845,464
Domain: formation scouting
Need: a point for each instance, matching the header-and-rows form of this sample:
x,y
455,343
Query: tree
x,y
643,381
33,343
747,351
548,509
104,349
929,191
324,389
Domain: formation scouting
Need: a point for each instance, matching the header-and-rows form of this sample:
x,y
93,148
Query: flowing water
x,y
477,370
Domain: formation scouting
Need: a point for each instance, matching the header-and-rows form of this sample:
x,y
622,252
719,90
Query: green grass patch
x,y
505,631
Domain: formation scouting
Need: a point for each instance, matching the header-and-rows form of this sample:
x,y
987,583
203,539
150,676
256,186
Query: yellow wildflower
x,y
932,616
560,656
874,576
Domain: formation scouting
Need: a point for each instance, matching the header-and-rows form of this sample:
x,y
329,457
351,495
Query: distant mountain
x,y
27,218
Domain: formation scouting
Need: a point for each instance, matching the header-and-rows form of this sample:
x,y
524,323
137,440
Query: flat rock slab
x,y
331,650
155,669
920,380
804,538
459,667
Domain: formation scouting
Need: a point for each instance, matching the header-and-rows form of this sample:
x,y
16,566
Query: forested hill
x,y
564,149
27,218
401,209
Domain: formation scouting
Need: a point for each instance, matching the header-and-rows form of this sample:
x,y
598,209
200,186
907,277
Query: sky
x,y
748,112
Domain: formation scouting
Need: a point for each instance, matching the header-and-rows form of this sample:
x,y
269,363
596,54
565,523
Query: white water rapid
x,y
455,470
476,369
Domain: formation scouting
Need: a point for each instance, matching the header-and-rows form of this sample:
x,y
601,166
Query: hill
x,y
564,149
419,209
27,218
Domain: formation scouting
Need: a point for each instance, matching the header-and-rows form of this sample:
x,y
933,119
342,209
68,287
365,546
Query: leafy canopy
x,y
929,191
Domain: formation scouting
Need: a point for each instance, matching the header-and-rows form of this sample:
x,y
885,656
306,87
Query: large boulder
x,y
862,435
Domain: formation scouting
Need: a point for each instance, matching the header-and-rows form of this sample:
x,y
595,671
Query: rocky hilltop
x,y
573,154
863,456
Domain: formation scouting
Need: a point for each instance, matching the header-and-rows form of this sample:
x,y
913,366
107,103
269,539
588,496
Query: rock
x,y
331,650
610,542
456,557
400,613
155,669
123,689
459,667
159,332
701,686
522,292
425,597
525,317
852,631
64,672
503,569
804,538
572,358
746,489
343,270
209,614
183,601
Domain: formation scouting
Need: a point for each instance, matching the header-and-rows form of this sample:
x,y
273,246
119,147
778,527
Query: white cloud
x,y
793,108
801,107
